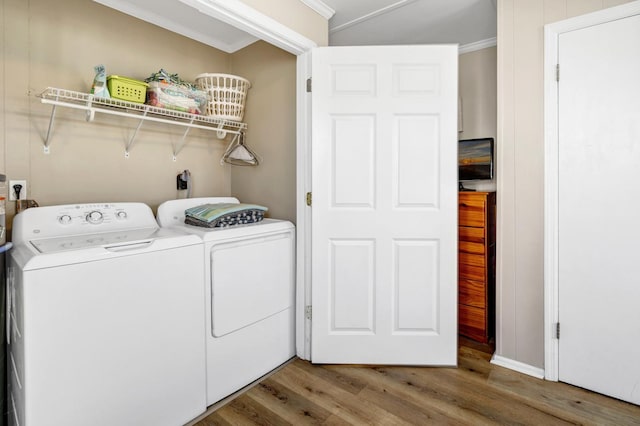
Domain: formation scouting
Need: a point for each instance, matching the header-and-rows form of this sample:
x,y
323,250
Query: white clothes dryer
x,y
105,318
250,291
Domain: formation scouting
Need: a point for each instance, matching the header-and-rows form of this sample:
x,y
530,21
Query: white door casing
x,y
384,227
592,160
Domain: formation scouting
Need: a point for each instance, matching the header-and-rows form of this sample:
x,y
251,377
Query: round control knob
x,y
121,215
64,219
95,217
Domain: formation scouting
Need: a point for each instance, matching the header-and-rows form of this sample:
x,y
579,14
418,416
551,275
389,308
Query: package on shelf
x,y
127,89
163,94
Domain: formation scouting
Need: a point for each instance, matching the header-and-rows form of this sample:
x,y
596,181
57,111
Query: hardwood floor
x,y
475,393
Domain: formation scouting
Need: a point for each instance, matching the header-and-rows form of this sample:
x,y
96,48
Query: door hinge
x,y
308,85
557,72
307,312
557,330
309,199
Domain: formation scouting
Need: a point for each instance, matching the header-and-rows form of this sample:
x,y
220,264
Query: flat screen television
x,y
475,159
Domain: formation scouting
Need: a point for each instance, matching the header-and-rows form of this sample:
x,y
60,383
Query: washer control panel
x,y
93,214
95,217
76,219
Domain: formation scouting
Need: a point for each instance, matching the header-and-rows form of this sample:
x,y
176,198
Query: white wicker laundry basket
x,y
227,94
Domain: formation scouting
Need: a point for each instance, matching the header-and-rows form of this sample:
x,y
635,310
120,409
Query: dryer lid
x,y
171,213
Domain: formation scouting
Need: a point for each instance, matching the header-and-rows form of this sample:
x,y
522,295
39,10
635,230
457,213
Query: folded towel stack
x,y
224,214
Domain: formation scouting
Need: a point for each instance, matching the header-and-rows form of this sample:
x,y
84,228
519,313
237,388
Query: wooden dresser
x,y
476,265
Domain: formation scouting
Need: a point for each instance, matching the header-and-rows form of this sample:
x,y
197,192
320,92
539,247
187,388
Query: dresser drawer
x,y
469,247
471,212
472,259
471,272
472,293
471,234
473,322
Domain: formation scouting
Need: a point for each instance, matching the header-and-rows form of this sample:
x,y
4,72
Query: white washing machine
x,y
250,291
105,318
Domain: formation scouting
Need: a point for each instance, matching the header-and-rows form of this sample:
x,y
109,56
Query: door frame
x,y
552,33
303,211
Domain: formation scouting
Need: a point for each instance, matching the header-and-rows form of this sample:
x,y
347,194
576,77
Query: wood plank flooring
x,y
475,393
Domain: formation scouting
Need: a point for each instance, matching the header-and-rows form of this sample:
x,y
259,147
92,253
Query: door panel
x,y
415,159
415,284
352,292
384,180
599,159
352,162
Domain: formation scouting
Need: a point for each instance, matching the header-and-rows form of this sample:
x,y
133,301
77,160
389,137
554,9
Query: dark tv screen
x,y
475,159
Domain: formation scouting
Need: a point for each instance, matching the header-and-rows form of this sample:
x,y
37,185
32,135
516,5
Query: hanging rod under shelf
x,y
143,112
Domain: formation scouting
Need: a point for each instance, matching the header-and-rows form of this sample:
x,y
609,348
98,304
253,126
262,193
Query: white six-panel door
x,y
598,207
384,213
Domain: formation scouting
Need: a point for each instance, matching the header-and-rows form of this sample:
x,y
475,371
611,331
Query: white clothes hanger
x,y
239,154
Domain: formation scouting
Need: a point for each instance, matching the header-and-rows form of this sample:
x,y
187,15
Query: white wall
x,y
521,169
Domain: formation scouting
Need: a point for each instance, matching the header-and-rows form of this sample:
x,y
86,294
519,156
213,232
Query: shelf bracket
x,y
135,133
91,113
51,120
177,150
221,133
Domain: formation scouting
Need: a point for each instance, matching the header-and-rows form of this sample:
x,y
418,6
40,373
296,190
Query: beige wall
x,y
477,90
271,114
520,165
58,43
478,93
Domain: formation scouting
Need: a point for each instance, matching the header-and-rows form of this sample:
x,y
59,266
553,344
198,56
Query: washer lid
x,y
106,239
67,250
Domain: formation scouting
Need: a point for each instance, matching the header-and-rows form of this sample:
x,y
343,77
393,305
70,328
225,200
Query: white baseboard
x,y
518,366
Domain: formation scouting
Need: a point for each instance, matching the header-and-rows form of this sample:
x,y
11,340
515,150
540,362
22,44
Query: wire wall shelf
x,y
92,105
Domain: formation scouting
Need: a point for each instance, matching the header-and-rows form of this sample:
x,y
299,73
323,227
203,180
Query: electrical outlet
x,y
23,190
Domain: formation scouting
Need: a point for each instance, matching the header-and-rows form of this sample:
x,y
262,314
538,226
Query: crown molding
x,y
239,15
233,12
320,7
478,45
